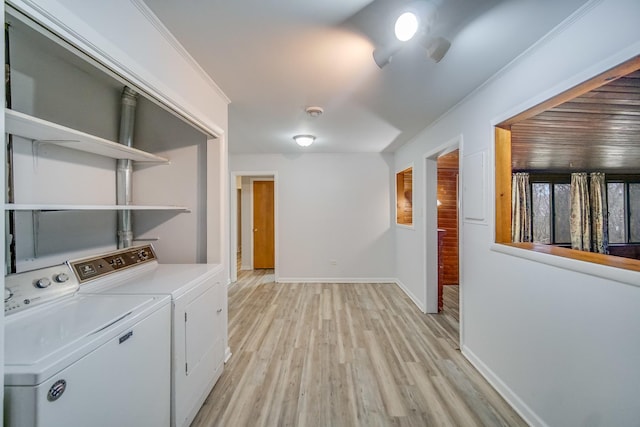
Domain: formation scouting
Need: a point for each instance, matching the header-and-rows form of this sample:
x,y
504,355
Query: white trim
x,y
411,296
227,354
430,238
339,280
584,75
628,277
405,226
233,225
51,18
507,394
170,38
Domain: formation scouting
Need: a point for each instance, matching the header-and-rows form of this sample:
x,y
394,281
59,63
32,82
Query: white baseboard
x,y
227,354
245,267
335,280
411,296
507,394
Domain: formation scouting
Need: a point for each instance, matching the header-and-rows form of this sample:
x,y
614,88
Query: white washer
x,y
80,360
199,319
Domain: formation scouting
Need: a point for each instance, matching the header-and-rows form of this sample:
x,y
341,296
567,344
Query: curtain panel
x,y
520,208
599,213
580,220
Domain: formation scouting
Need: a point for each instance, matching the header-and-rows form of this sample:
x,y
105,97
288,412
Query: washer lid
x,y
41,343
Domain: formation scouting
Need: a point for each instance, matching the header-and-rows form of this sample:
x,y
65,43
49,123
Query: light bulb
x,y
406,26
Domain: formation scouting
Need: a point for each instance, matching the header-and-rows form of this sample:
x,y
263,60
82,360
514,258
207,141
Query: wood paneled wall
x,y
404,197
448,215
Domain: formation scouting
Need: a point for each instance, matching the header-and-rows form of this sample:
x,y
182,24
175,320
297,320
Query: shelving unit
x,y
24,125
43,131
62,207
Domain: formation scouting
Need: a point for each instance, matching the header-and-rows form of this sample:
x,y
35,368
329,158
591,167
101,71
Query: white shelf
x,y
61,207
30,127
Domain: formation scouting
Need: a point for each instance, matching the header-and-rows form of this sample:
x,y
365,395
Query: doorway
x,y
244,207
442,232
448,253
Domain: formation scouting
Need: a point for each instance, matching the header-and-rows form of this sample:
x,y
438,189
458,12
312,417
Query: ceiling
x,y
599,130
274,58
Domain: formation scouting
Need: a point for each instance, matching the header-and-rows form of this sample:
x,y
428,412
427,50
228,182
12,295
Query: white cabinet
x,y
199,346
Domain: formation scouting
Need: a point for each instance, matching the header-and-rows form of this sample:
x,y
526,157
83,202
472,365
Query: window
x,y
550,205
564,134
404,197
624,211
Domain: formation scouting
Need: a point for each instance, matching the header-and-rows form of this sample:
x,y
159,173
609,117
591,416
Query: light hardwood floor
x,y
345,355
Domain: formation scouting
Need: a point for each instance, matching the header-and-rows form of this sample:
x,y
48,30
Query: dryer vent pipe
x,y
124,168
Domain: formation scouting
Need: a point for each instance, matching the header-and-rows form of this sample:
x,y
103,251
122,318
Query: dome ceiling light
x,y
304,140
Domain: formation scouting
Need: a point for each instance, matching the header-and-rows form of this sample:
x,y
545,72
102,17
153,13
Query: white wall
x,y
181,183
560,344
330,207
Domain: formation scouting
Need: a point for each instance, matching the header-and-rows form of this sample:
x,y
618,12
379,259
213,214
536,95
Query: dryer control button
x,y
61,277
43,283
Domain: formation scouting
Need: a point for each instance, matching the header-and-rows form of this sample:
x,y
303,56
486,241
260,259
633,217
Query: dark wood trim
x,y
594,83
503,185
602,259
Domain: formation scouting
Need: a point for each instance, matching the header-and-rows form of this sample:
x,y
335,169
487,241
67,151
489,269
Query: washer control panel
x,y
91,268
32,288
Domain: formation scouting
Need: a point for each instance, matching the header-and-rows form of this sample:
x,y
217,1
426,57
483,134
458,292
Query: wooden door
x,y
263,225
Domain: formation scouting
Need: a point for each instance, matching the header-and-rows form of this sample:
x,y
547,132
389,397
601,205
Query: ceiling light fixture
x,y
406,26
437,47
384,54
415,24
304,140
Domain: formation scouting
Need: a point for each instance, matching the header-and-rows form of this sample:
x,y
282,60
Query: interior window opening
x,y
562,186
404,197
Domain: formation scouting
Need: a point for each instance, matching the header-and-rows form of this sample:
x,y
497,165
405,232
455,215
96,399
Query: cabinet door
x,y
199,348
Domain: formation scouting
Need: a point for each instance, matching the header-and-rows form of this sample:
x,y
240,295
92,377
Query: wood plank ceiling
x,y
596,131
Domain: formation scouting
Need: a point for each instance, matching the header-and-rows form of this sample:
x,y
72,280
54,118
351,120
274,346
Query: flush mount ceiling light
x,y
304,140
406,26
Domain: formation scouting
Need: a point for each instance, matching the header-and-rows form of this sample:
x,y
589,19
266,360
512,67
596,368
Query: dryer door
x,y
199,348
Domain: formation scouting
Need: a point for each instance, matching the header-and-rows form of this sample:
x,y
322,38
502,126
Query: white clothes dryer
x,y
199,316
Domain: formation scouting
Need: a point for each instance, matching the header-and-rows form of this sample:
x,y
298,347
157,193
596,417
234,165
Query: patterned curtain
x,y
580,212
520,208
599,218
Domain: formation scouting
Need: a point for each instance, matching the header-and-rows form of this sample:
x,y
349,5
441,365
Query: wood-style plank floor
x,y
345,355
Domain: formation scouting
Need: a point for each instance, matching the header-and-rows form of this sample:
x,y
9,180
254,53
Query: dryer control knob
x,y
42,283
61,277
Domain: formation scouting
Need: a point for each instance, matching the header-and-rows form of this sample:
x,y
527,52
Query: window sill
x,y
609,267
407,226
